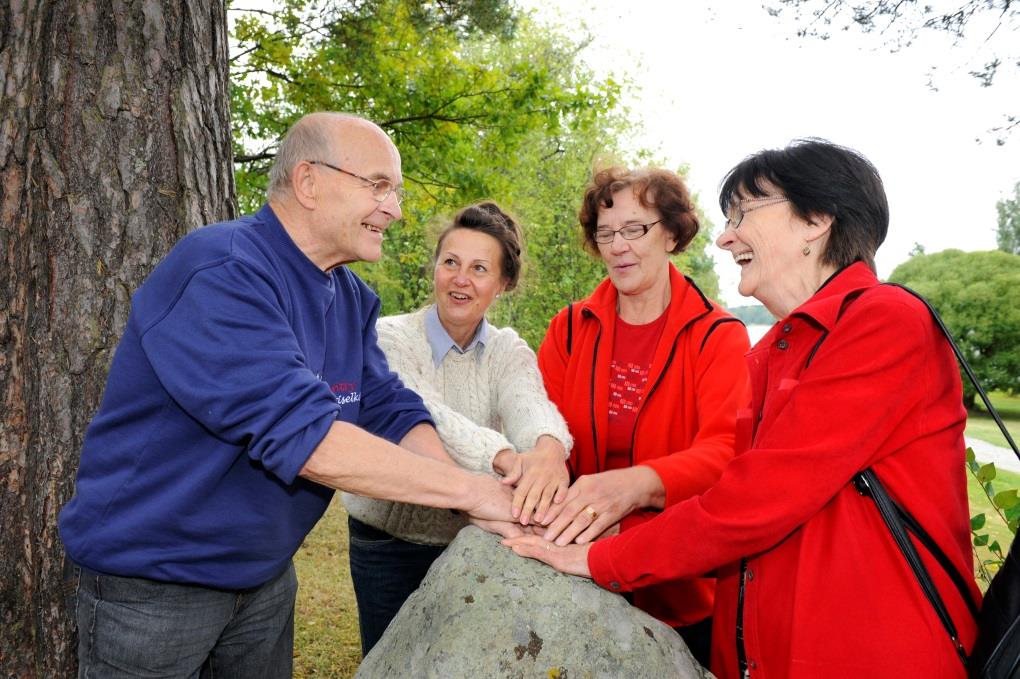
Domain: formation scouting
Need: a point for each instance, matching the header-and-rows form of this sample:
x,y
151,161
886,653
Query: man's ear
x,y
304,184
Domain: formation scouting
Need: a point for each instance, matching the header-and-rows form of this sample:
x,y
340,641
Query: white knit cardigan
x,y
482,403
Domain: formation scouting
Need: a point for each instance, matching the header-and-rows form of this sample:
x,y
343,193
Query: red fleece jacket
x,y
804,560
685,426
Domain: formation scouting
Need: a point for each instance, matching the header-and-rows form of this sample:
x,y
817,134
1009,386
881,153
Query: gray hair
x,y
310,138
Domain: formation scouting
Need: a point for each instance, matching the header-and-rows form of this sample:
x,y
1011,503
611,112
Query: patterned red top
x,y
628,382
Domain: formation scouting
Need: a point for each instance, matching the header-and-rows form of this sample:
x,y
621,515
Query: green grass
x,y
980,424
326,640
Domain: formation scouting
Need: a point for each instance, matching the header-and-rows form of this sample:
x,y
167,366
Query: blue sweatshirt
x,y
238,356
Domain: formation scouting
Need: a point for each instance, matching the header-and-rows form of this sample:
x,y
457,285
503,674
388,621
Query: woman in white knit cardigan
x,y
483,388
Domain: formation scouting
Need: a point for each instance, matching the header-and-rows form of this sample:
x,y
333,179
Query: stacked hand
x,y
572,559
539,477
596,503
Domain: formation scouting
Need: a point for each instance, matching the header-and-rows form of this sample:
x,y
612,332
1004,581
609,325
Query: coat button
x,y
752,664
787,327
750,575
782,344
615,585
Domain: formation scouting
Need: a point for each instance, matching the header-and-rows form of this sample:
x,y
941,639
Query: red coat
x,y
826,591
685,426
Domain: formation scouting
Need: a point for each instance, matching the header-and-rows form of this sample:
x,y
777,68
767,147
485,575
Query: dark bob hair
x,y
819,178
488,218
655,188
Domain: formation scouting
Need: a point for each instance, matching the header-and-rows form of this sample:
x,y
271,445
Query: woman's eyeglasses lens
x,y
629,232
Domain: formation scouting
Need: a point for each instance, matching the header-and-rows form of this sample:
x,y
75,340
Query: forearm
x,y
349,458
423,440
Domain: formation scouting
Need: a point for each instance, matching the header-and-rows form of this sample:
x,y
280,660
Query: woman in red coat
x,y
648,373
855,375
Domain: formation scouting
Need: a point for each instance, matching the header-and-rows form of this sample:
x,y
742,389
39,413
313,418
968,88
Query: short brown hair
x,y
655,188
490,219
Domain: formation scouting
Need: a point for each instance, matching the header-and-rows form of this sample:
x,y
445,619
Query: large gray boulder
x,y
484,613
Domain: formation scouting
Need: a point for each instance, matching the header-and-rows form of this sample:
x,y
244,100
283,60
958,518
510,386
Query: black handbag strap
x,y
966,367
933,548
867,483
898,520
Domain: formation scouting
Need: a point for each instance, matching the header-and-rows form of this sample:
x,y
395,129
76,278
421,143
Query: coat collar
x,y
825,306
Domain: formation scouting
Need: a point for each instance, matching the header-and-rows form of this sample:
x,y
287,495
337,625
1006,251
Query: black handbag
x,y
996,653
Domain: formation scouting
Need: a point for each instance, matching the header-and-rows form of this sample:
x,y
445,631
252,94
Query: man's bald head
x,y
318,136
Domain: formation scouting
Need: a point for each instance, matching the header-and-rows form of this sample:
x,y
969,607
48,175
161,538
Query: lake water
x,y
755,331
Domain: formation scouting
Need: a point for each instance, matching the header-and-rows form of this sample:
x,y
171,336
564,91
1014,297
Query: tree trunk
x,y
114,141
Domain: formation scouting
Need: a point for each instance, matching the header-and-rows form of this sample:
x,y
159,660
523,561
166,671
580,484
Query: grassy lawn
x,y
980,424
326,641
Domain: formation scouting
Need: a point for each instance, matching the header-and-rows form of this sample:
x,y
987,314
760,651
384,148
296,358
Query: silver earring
x,y
806,250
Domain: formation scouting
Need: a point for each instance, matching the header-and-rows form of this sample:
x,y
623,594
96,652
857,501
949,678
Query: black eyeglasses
x,y
629,232
381,188
739,209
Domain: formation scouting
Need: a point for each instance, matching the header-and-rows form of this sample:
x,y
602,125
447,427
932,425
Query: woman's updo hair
x,y
490,219
655,188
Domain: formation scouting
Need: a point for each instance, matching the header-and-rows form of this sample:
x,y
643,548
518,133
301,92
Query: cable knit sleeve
x,y
524,406
471,445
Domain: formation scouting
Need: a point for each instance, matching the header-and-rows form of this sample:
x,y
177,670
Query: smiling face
x,y
352,222
467,279
636,267
768,245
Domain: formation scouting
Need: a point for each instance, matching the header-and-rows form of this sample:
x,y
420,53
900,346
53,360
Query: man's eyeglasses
x,y
381,188
742,207
629,232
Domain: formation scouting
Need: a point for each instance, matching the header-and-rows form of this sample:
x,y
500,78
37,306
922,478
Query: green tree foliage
x,y
975,293
482,103
1007,235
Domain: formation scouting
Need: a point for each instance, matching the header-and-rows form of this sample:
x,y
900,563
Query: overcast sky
x,y
720,80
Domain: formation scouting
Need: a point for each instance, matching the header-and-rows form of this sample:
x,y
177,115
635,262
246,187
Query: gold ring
x,y
591,512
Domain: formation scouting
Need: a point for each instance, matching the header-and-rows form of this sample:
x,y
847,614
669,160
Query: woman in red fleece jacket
x,y
856,375
648,373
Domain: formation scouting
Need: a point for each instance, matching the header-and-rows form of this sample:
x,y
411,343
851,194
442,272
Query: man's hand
x,y
505,529
487,499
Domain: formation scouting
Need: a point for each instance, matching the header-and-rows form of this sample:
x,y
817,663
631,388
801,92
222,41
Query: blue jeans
x,y
385,571
133,627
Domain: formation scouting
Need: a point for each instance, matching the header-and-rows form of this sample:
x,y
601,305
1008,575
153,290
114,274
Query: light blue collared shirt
x,y
441,342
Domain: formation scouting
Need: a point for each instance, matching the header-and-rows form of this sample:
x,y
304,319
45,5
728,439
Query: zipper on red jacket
x,y
591,397
741,652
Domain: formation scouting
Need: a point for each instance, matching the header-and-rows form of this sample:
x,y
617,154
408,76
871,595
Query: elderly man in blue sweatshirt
x,y
247,386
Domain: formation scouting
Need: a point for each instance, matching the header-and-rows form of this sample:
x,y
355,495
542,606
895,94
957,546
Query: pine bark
x,y
114,141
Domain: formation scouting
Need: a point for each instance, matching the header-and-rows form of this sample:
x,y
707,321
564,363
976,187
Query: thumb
x,y
514,475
